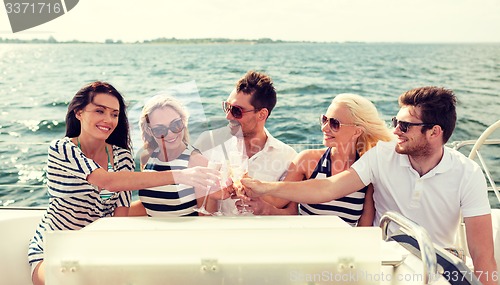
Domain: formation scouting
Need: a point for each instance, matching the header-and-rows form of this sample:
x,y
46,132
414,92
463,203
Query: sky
x,y
294,20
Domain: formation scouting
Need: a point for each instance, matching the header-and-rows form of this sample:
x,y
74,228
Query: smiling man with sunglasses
x,y
416,175
247,109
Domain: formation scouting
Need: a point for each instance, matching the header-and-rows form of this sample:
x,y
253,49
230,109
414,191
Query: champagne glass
x,y
238,169
222,181
212,165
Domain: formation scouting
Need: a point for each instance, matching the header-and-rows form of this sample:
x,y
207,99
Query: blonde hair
x,y
160,102
365,115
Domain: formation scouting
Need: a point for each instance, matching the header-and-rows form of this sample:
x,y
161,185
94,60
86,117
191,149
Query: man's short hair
x,y
437,106
260,87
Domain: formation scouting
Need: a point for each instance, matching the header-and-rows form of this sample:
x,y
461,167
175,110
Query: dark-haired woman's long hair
x,y
121,135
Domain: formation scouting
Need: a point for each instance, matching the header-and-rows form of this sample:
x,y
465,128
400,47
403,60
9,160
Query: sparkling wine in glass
x,y
222,181
212,165
238,169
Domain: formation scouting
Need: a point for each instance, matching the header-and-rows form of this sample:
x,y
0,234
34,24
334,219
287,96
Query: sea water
x,y
38,80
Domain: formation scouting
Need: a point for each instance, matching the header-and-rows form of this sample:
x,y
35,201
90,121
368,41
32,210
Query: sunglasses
x,y
333,123
403,126
236,111
161,131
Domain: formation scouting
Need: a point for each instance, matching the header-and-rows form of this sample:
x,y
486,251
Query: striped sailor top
x,y
73,201
349,208
169,200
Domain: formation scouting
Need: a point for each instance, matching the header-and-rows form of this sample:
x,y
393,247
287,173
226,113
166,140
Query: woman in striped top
x,y
165,135
350,127
90,170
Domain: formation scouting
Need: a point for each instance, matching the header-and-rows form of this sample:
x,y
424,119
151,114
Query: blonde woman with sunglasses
x,y
350,126
164,130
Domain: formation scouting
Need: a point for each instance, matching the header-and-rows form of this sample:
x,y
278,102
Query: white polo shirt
x,y
434,200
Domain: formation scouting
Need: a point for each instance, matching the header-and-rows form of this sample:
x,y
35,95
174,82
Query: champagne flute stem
x,y
205,199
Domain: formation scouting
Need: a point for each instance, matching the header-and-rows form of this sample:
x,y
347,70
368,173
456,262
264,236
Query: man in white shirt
x,y
247,109
416,176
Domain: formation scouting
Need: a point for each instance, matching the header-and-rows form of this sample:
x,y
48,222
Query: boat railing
x,y
459,144
475,152
428,254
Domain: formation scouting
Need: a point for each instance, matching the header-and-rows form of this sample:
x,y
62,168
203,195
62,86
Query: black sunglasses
x,y
333,123
161,131
403,126
236,111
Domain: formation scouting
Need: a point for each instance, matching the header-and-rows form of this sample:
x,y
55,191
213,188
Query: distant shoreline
x,y
52,40
175,41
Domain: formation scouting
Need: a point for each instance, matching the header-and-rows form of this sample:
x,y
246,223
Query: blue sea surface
x,y
38,81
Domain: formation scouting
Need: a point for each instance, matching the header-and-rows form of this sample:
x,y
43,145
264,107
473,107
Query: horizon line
x,y
222,40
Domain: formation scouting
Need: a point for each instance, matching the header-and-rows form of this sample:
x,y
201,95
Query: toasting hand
x,y
255,188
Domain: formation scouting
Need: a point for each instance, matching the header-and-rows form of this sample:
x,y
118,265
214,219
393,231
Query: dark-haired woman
x,y
90,170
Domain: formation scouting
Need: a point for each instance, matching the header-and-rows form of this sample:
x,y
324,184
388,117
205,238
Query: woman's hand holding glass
x,y
222,191
199,177
215,165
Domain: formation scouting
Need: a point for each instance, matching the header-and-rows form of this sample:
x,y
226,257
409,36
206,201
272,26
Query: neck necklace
x,y
110,166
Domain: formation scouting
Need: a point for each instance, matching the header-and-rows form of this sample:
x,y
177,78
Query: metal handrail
x,y
428,254
459,144
483,139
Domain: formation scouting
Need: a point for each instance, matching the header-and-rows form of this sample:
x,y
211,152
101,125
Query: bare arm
x,y
295,172
366,219
275,202
121,212
273,205
480,240
137,209
123,181
291,209
260,207
268,205
328,189
145,155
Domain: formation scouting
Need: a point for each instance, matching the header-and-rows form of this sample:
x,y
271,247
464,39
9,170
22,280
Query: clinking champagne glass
x,y
224,171
212,165
238,168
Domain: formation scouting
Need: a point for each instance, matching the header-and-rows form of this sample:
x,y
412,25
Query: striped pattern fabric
x,y
73,202
348,208
169,200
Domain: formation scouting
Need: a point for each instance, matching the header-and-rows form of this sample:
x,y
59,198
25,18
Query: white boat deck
x,y
351,255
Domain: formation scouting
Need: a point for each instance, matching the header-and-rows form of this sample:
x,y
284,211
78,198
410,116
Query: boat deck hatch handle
x,y
428,254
